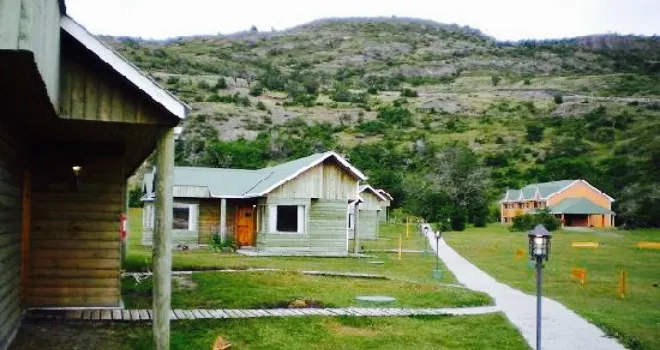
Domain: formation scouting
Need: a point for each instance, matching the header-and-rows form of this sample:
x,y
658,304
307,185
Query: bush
x,y
256,90
409,93
495,79
524,223
559,99
202,84
458,219
261,106
221,84
535,132
172,80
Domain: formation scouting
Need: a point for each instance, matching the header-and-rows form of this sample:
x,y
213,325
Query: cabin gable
x,y
581,190
326,180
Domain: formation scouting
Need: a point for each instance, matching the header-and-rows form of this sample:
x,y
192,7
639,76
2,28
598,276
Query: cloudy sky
x,y
502,19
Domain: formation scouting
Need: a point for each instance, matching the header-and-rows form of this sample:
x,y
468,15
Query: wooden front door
x,y
245,226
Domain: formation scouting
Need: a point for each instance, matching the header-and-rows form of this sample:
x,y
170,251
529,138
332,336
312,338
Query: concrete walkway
x,y
562,329
144,315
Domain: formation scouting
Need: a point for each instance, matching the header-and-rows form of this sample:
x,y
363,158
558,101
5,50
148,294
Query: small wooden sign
x,y
648,245
579,274
585,244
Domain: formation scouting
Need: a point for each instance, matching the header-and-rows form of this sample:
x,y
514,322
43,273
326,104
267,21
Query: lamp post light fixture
x,y
539,250
76,173
437,273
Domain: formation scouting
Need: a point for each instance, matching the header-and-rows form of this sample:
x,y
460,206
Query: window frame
x,y
192,216
301,219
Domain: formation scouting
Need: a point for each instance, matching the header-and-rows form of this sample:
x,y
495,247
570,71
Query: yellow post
x,y
400,246
407,226
622,284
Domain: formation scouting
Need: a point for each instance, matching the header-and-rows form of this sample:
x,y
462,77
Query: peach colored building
x,y
575,202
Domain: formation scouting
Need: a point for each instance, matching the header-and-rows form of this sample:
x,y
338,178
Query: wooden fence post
x,y
162,241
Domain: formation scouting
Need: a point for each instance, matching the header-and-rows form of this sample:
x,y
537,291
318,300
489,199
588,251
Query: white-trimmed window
x,y
286,218
184,217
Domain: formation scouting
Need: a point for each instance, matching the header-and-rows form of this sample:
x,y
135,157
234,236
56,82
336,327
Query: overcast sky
x,y
502,19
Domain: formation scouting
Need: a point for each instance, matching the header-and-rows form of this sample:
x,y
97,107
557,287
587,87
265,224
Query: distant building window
x,y
184,217
287,219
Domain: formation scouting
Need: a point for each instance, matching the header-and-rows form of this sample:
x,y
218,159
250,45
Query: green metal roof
x,y
545,189
243,183
578,206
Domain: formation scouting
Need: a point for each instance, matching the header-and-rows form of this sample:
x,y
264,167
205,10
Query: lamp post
x,y
539,250
426,237
437,273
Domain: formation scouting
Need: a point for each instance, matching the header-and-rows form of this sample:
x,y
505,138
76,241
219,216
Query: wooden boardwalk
x,y
145,315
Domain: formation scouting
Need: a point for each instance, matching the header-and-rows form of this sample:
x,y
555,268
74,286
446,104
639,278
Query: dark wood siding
x,y
209,219
75,254
10,236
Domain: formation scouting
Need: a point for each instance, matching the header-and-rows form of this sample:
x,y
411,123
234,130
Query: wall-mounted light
x,y
76,174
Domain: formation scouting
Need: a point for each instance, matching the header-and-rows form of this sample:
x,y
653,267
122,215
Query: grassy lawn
x,y
275,289
386,333
412,267
412,282
635,319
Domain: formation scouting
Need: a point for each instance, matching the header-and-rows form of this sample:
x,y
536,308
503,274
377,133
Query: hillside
x,y
402,97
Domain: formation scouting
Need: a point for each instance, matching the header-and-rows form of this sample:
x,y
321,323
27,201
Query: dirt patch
x,y
184,282
353,331
51,335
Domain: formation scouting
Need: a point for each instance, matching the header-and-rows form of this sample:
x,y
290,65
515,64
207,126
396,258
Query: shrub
x,y
217,245
559,99
458,219
535,132
409,93
172,80
261,106
527,82
256,89
202,84
221,84
495,79
527,222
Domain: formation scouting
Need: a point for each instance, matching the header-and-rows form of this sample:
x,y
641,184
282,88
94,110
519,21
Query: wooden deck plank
x,y
116,315
135,315
144,315
106,315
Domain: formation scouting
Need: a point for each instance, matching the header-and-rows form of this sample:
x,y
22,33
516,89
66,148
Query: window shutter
x,y
272,218
301,218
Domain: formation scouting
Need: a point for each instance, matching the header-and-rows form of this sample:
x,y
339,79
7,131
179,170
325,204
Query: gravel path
x,y
562,329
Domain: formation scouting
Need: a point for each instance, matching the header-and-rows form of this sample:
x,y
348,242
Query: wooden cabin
x,y
300,205
575,202
370,209
76,121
